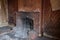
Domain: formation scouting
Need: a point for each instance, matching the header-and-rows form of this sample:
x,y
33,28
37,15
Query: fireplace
x,y
28,20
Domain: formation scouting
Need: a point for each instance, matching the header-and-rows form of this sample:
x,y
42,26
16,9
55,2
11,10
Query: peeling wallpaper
x,y
55,4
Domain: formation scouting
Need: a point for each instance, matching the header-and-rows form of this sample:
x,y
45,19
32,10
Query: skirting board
x,y
50,36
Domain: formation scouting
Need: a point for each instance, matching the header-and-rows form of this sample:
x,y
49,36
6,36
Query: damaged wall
x,y
23,5
51,19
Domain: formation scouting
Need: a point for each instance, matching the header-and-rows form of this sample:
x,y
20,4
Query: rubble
x,y
19,32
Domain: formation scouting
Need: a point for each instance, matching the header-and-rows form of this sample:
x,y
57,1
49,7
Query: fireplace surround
x,y
30,20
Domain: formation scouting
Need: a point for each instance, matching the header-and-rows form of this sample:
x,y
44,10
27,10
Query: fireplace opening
x,y
27,20
28,23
